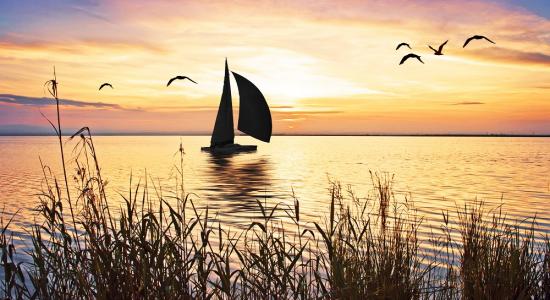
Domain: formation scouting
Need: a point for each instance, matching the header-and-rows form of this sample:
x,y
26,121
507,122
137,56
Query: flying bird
x,y
410,55
402,44
180,78
439,51
476,37
104,85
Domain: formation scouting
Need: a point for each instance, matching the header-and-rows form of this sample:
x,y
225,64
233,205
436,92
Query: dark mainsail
x,y
223,133
254,114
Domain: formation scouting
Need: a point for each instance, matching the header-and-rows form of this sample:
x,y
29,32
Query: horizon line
x,y
36,134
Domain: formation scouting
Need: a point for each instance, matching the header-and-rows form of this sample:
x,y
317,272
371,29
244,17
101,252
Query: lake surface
x,y
437,173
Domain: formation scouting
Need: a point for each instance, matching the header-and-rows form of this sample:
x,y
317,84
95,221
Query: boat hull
x,y
230,149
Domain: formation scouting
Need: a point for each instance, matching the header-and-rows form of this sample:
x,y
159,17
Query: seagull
x,y
180,78
440,50
402,44
104,85
476,37
410,55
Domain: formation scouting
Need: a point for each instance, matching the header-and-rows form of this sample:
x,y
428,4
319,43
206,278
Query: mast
x,y
254,114
223,133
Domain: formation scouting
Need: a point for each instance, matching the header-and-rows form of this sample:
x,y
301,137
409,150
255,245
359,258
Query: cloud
x,y
304,113
16,43
511,56
90,13
282,107
24,129
468,103
43,101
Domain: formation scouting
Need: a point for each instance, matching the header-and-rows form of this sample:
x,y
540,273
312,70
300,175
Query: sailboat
x,y
254,117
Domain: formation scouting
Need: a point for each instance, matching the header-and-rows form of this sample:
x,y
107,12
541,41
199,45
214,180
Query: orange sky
x,y
323,66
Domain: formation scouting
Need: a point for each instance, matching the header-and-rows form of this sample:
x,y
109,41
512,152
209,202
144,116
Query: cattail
x,y
297,209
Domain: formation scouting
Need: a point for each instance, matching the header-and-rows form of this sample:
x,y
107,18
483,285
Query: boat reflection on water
x,y
236,181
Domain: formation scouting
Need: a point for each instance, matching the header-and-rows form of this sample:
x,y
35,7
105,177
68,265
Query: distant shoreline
x,y
335,135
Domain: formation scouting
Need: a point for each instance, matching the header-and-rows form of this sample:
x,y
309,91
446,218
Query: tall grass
x,y
498,260
153,246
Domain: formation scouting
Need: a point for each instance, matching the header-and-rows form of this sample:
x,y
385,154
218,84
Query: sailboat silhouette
x,y
254,117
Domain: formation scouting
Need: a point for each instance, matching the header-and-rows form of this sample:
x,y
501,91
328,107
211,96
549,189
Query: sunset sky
x,y
325,67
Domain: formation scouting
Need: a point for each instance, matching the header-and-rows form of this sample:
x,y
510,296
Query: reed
x,y
157,246
498,260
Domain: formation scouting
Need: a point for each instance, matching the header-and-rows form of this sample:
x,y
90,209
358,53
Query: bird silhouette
x,y
104,85
402,44
410,55
439,51
180,78
476,37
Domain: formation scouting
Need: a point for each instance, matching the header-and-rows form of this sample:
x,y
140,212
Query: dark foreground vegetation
x,y
151,246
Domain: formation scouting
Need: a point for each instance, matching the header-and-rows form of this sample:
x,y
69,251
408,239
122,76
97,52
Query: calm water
x,y
438,173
